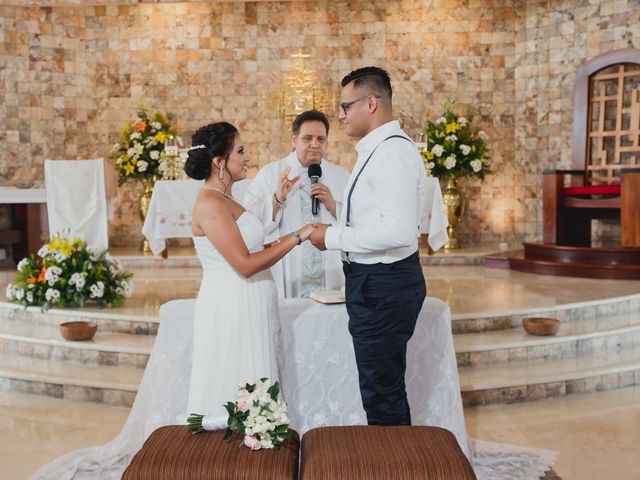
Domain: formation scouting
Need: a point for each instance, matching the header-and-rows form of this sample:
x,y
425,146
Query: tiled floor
x,y
596,434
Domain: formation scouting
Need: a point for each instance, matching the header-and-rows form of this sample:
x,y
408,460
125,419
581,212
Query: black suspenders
x,y
348,224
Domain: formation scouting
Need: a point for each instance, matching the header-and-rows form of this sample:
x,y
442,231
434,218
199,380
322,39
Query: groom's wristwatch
x,y
296,234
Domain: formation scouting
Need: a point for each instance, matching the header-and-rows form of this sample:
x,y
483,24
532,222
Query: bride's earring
x,y
221,172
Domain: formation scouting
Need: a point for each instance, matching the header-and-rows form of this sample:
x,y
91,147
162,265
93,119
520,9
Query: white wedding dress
x,y
235,328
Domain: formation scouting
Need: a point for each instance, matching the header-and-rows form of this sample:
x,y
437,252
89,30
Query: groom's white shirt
x,y
287,273
387,202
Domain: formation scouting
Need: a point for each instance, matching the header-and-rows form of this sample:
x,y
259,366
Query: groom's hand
x,y
317,237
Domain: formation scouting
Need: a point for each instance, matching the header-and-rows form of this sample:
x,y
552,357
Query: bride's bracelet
x,y
296,234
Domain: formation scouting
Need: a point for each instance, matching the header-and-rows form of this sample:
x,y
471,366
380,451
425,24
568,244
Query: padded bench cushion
x,y
382,453
172,453
593,190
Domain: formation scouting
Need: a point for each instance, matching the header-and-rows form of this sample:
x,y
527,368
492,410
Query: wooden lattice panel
x,y
614,126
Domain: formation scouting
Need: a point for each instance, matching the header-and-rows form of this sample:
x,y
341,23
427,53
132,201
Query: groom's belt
x,y
354,267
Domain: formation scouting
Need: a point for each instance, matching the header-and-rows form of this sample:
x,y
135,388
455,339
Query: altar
x,y
169,214
317,369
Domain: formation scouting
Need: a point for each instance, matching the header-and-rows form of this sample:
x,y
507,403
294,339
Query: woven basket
x,y
541,326
78,330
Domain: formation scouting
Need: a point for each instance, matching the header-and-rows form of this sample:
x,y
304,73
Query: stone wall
x,y
72,76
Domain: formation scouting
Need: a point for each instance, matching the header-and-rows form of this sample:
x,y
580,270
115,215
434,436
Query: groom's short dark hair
x,y
309,116
375,78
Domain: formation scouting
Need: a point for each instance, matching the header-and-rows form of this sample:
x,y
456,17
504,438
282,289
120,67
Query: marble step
x,y
69,380
492,321
129,321
46,342
577,338
527,381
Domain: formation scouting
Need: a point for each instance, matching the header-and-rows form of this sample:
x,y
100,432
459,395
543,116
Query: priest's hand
x,y
317,236
285,185
322,193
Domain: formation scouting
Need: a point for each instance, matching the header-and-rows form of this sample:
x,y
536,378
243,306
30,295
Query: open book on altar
x,y
328,296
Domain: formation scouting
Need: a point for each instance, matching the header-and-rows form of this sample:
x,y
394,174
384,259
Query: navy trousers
x,y
383,303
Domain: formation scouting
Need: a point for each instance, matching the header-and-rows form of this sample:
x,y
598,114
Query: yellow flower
x,y
160,136
78,243
452,127
55,243
430,155
66,248
129,169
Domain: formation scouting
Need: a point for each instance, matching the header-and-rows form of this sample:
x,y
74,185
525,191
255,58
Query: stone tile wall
x,y
72,75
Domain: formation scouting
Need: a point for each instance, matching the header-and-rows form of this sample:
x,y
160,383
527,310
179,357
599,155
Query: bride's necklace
x,y
218,190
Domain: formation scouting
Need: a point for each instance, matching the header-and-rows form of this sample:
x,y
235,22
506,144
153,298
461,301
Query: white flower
x,y
154,154
52,295
131,152
59,257
19,293
79,280
476,165
97,290
94,253
10,292
450,138
450,162
162,166
138,148
142,166
463,121
483,136
127,288
115,148
43,251
441,121
156,125
437,150
465,149
430,165
22,264
30,297
119,160
53,275
135,135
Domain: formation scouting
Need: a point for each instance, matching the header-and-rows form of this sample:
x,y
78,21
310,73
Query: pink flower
x,y
242,401
250,441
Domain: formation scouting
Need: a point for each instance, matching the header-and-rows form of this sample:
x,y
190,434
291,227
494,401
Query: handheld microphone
x,y
315,172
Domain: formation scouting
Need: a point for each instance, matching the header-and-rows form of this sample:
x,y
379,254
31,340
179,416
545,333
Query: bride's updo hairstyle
x,y
210,141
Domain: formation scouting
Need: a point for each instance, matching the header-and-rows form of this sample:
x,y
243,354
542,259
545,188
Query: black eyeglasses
x,y
347,105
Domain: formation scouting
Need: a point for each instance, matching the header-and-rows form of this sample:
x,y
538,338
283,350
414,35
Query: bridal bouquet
x,y
259,413
69,273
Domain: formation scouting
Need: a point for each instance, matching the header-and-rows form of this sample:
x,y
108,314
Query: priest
x,y
288,193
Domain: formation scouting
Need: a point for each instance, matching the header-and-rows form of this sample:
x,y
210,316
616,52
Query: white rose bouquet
x,y
68,273
259,413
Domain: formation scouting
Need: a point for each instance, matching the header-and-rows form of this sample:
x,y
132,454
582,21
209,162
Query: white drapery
x,y
76,199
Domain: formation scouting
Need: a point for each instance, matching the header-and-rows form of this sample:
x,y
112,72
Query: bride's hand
x,y
307,230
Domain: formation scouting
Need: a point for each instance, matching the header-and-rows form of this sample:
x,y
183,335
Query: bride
x,y
236,314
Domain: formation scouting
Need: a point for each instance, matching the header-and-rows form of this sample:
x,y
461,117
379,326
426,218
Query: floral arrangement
x,y
138,153
454,147
69,273
259,413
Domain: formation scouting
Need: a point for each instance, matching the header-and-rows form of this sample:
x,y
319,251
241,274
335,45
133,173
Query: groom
x,y
378,235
